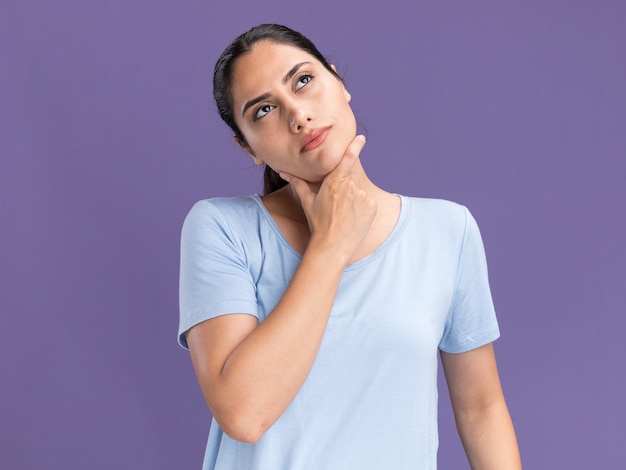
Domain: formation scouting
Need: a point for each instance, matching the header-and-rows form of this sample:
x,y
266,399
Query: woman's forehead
x,y
266,64
267,53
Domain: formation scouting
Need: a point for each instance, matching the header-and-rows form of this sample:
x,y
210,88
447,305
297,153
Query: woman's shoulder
x,y
433,203
222,212
441,209
236,206
439,215
226,204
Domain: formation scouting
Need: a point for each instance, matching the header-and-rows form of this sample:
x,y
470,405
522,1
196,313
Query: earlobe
x,y
248,150
347,95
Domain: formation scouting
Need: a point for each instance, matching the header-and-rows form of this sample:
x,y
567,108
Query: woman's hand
x,y
338,211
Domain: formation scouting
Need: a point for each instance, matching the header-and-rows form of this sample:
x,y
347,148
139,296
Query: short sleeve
x,y
214,278
471,320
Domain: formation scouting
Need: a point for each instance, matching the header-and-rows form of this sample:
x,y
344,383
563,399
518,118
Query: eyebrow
x,y
265,96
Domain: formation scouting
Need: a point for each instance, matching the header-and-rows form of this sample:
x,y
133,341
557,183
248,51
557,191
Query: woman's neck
x,y
359,177
286,203
286,209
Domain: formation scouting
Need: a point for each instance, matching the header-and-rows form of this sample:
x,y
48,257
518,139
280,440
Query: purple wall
x,y
108,135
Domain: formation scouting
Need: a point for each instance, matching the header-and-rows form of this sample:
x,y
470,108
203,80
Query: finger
x,y
350,156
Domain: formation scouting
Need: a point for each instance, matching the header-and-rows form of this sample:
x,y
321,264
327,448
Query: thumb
x,y
302,188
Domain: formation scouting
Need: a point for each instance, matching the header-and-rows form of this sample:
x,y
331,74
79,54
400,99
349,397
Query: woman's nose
x,y
299,118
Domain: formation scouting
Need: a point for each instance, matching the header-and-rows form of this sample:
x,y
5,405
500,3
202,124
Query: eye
x,y
262,111
303,80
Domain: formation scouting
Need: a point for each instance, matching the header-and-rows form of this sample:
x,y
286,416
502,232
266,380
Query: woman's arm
x,y
480,411
249,372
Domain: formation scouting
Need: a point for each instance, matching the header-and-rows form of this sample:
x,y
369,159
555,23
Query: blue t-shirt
x,y
370,400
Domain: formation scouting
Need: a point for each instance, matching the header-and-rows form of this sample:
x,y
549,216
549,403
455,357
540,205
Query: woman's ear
x,y
347,95
248,150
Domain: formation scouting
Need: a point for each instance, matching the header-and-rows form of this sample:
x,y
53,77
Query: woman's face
x,y
294,114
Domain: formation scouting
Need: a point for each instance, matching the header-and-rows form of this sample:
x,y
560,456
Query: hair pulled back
x,y
222,78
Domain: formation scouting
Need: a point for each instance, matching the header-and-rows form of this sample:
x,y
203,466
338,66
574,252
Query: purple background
x,y
108,135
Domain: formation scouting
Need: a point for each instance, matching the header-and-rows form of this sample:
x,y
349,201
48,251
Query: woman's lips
x,y
315,138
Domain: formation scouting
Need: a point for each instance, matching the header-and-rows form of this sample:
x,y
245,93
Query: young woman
x,y
314,314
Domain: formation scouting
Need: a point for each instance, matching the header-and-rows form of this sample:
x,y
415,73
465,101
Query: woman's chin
x,y
318,175
324,161
329,159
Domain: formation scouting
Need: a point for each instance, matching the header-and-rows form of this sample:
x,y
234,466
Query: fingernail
x,y
284,176
361,137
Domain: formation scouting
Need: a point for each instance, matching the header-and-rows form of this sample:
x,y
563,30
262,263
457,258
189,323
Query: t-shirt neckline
x,y
382,248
